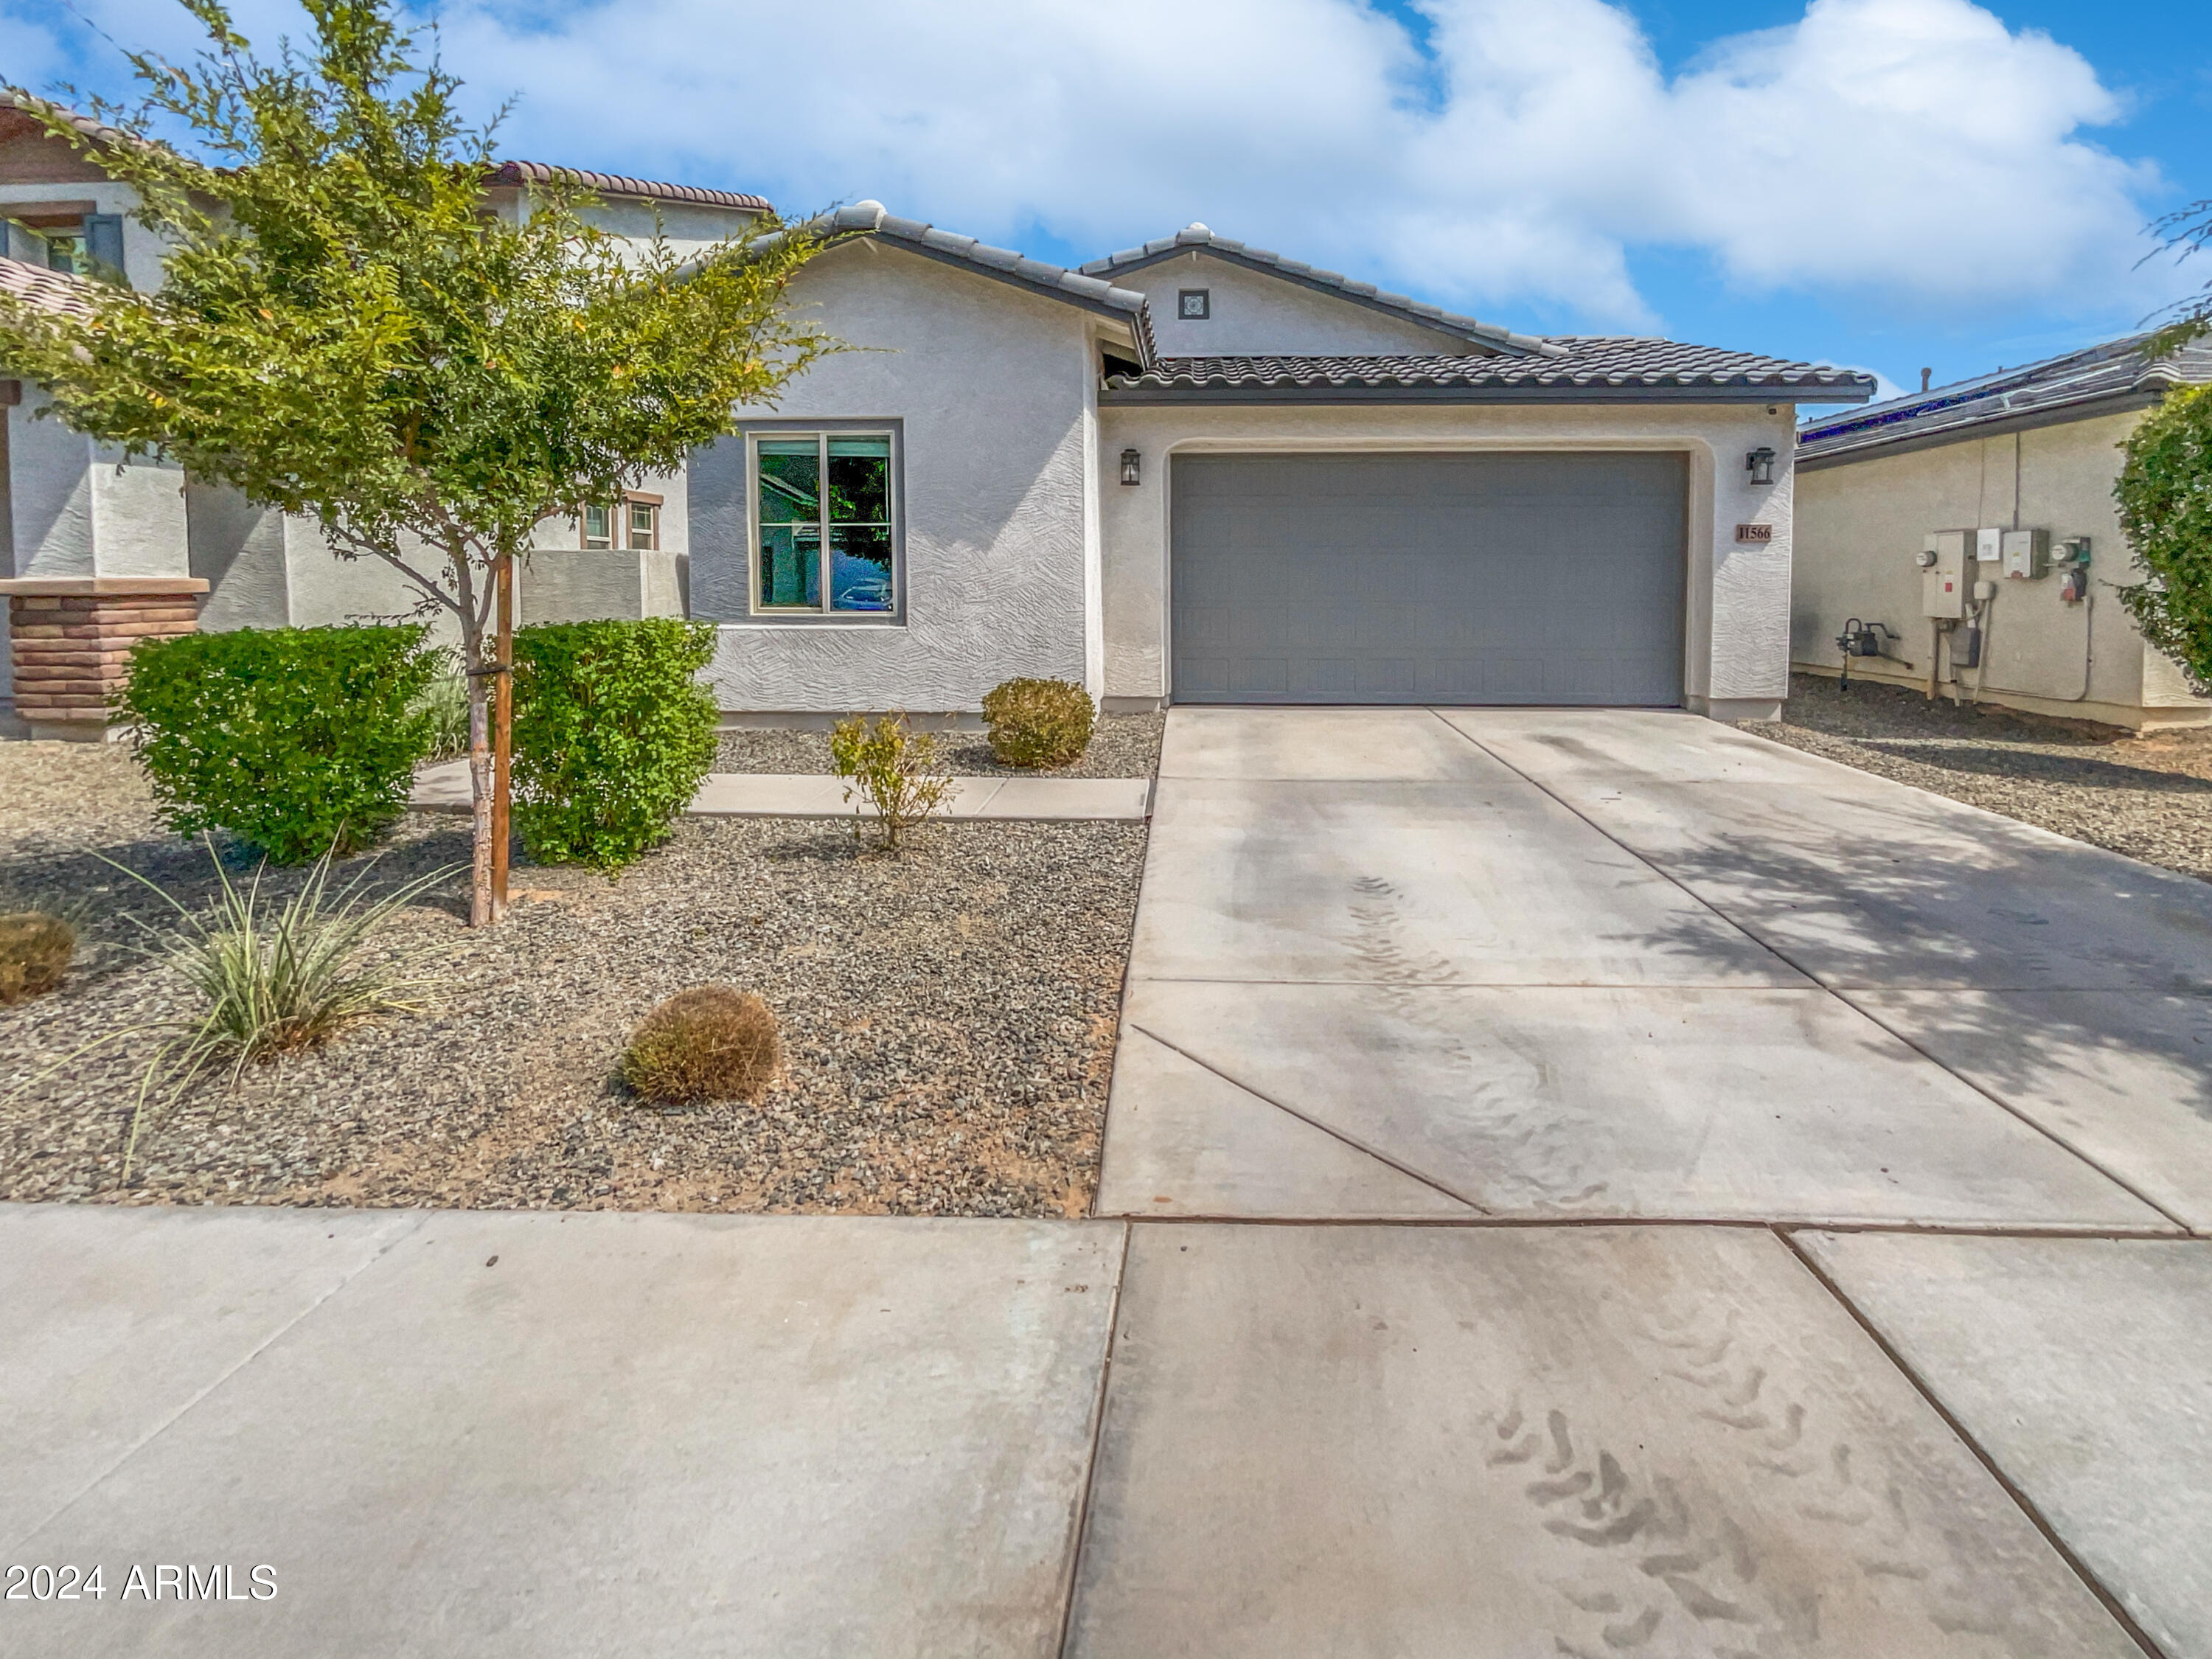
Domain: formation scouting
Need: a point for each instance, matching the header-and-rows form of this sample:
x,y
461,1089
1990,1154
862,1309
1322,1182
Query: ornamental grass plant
x,y
268,976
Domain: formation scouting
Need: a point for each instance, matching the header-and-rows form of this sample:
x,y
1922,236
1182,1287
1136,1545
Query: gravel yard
x,y
1121,746
2149,797
948,1020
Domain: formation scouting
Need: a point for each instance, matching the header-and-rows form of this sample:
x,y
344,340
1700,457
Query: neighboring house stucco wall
x,y
991,389
1861,522
1737,626
1258,314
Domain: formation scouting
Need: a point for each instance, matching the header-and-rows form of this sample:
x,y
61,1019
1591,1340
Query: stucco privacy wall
x,y
991,391
1260,315
1736,630
1860,522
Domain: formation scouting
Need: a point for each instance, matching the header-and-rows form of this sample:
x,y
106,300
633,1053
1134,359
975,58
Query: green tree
x,y
2165,493
347,330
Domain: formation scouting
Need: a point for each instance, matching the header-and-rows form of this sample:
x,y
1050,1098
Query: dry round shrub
x,y
1039,722
34,953
710,1042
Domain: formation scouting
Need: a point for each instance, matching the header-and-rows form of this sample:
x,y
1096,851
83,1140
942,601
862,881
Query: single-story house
x,y
1196,471
1969,532
1191,472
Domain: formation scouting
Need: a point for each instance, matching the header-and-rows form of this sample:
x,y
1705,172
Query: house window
x,y
634,523
822,523
1194,305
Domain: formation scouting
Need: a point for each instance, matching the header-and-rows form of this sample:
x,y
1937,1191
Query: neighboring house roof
x,y
1197,237
873,219
2100,379
1585,368
15,98
615,183
48,290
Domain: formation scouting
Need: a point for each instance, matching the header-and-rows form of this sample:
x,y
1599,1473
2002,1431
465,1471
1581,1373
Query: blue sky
x,y
1888,184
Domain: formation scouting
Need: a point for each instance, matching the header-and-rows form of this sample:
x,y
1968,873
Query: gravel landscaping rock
x,y
1121,746
2149,797
948,1021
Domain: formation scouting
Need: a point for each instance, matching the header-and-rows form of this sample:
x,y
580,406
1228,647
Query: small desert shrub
x,y
893,767
710,1042
444,708
612,735
272,976
34,953
1039,722
299,741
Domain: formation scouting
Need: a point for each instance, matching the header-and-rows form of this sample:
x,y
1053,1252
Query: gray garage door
x,y
1465,579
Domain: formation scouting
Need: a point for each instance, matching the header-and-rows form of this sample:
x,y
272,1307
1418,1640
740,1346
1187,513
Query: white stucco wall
x,y
1256,314
991,388
1861,522
78,508
1736,630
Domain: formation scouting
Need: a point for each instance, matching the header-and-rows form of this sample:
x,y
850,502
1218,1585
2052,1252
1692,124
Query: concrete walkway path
x,y
1588,1184
445,788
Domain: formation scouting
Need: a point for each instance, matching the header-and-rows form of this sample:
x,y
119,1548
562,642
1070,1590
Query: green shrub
x,y
612,735
299,741
35,948
2165,495
710,1042
893,768
1039,722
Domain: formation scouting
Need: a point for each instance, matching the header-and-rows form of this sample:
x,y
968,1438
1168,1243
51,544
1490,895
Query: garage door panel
x,y
1449,578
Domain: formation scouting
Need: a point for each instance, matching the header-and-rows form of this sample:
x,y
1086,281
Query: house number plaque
x,y
1754,532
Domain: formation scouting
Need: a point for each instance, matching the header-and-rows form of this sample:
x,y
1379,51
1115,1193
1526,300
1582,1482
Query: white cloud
x,y
1916,152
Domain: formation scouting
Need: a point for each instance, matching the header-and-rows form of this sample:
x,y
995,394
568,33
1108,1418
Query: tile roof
x,y
47,290
873,219
2115,372
615,184
1586,366
1366,293
15,98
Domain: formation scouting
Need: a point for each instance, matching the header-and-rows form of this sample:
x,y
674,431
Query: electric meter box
x,y
2027,554
1943,572
1989,545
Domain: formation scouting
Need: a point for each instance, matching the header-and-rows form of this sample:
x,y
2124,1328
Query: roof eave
x,y
1118,390
1902,440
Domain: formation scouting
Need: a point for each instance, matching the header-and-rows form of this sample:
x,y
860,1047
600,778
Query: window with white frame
x,y
822,522
634,523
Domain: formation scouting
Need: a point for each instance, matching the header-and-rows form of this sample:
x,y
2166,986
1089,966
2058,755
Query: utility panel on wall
x,y
1942,562
2027,554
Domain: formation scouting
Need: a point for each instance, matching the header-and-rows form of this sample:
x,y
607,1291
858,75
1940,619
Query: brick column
x,y
70,641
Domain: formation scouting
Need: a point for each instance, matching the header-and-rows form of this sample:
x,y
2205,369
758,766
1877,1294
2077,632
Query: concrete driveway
x,y
1635,965
1583,1184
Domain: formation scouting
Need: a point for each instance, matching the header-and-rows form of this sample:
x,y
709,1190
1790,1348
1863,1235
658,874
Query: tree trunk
x,y
481,912
502,748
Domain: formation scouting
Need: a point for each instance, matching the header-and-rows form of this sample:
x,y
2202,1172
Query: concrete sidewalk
x,y
594,1436
445,788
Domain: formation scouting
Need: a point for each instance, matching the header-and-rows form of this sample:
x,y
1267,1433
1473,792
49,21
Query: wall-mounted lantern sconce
x,y
1759,463
1132,467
